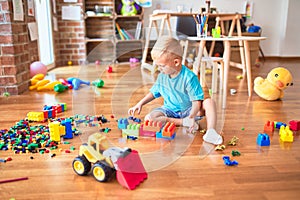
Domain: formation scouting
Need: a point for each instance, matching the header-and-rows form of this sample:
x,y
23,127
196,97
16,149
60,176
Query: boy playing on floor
x,y
184,102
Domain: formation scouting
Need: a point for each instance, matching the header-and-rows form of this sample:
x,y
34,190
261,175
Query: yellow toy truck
x,y
106,160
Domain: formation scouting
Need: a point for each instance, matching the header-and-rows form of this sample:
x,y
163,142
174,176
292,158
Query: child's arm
x,y
138,107
196,105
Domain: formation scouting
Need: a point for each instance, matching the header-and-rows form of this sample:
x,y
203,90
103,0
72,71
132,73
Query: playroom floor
x,y
185,168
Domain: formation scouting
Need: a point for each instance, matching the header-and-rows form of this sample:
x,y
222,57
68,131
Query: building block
x,y
131,130
68,129
294,125
152,126
263,139
279,124
54,131
131,171
286,135
36,116
146,133
269,127
159,135
168,130
123,123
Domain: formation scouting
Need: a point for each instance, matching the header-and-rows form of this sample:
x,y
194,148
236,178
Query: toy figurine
x,y
272,87
129,8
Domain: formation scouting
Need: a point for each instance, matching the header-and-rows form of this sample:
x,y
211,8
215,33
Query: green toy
x,y
129,8
98,83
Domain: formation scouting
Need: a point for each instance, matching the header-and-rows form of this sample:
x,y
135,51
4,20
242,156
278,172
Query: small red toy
x,y
294,125
269,127
109,69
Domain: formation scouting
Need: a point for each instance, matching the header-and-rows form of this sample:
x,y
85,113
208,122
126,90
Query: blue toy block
x,y
69,131
228,162
123,123
263,139
160,135
279,124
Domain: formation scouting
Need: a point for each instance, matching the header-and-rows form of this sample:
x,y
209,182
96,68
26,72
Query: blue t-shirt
x,y
178,92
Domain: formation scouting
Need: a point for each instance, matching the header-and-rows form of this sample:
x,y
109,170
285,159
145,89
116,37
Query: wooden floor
x,y
186,168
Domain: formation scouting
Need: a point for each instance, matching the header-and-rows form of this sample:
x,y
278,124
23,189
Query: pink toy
x,y
294,125
37,68
97,62
109,69
65,82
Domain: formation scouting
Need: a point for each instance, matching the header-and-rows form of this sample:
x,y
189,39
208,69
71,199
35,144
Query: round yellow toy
x,y
272,87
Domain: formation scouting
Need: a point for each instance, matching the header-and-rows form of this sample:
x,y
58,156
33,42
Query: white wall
x,y
279,20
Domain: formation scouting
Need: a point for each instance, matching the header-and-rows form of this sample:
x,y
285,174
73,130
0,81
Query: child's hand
x,y
133,109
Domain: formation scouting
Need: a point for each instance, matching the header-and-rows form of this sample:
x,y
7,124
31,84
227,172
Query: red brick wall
x,y
16,50
69,39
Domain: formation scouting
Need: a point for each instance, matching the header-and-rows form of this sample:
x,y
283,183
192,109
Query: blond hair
x,y
167,46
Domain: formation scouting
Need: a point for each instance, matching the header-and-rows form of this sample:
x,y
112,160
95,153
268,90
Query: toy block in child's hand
x,y
152,126
269,127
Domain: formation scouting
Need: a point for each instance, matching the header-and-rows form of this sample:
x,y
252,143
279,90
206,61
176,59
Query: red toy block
x,y
152,126
168,130
294,125
146,133
269,127
131,171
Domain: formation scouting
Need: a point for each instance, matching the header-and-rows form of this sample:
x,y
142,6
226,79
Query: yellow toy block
x,y
54,131
286,135
35,116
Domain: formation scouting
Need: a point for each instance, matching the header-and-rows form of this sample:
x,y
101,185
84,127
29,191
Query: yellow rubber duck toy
x,y
272,87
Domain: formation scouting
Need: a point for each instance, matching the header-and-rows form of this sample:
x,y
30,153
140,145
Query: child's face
x,y
167,66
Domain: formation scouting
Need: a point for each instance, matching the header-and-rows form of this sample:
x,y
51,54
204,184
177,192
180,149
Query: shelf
x,y
135,16
98,39
133,40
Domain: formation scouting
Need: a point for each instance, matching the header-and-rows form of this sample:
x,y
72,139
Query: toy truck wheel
x,y
81,165
102,172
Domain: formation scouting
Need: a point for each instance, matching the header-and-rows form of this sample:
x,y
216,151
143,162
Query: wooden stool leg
x,y
214,77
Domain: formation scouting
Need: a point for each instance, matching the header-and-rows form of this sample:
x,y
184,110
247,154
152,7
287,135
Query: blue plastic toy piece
x,y
263,139
123,123
279,124
228,162
68,126
76,82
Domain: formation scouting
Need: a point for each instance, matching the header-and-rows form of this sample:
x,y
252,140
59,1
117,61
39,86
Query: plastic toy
x,y
123,123
109,69
65,82
48,86
13,180
129,8
168,130
37,68
286,135
279,124
152,126
263,139
39,84
106,160
272,87
36,78
97,62
269,127
98,83
235,153
294,125
131,130
70,62
60,88
228,162
76,82
146,133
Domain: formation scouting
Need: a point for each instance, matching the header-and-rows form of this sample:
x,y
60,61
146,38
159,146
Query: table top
x,y
226,38
174,13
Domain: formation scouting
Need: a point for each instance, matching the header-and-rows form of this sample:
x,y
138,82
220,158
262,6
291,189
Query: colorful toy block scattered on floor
x,y
286,135
269,127
49,112
152,126
123,123
167,132
279,124
132,131
263,139
228,162
58,129
294,125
